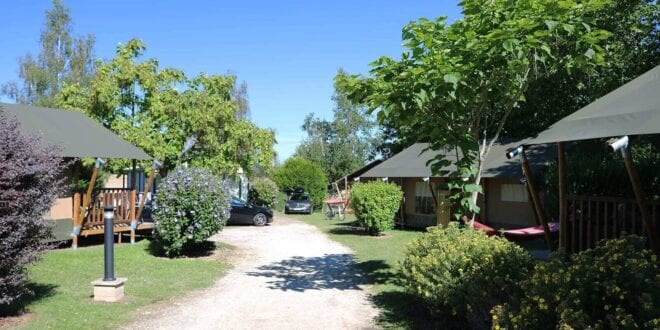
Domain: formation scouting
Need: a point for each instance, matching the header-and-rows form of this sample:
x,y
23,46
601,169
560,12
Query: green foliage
x,y
375,204
191,206
463,273
263,191
302,173
613,286
63,59
343,144
456,84
160,109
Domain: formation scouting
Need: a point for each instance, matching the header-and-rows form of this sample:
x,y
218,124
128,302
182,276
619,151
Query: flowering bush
x,y
29,185
191,206
463,273
375,204
613,286
263,191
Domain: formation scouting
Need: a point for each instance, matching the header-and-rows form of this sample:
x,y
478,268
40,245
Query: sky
x,y
287,52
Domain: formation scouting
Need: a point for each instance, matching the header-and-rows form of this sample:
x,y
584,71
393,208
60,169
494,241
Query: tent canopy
x,y
632,109
73,133
412,162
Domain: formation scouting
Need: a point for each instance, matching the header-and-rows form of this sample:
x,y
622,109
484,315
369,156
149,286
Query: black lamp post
x,y
108,244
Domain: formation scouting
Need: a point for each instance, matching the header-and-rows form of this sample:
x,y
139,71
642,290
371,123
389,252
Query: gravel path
x,y
291,276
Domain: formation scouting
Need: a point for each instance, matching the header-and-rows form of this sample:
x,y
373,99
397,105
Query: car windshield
x,y
236,200
300,197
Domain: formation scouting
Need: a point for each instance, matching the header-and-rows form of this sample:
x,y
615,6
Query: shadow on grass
x,y
331,271
203,249
18,307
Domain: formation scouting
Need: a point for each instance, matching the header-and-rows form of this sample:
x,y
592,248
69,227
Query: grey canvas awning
x,y
72,132
412,162
632,109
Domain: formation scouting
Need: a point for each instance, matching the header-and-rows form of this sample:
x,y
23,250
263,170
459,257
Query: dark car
x,y
245,213
299,203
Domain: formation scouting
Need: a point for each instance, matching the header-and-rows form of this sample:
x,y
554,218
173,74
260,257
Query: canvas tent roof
x,y
632,109
75,134
412,162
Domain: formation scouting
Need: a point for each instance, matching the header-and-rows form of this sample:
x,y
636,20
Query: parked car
x,y
245,213
299,203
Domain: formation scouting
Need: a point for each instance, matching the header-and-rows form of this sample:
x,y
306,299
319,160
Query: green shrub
x,y
301,173
462,273
375,204
191,206
263,191
613,286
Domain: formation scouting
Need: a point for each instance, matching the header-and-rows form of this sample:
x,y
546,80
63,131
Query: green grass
x,y
64,293
377,257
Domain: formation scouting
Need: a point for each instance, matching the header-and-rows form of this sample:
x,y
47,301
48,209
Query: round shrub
x,y
375,204
463,273
302,173
191,206
263,191
616,285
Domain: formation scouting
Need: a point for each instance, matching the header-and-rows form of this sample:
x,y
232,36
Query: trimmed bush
x,y
613,286
301,173
375,204
462,274
263,191
29,185
191,206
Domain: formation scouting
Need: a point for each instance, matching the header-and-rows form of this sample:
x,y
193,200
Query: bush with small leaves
x,y
462,273
263,191
615,285
192,204
29,185
375,204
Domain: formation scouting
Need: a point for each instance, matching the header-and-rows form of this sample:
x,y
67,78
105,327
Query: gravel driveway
x,y
290,276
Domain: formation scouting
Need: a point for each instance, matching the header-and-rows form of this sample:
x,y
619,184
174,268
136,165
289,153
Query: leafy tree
x,y
160,109
29,185
63,59
456,84
342,145
298,172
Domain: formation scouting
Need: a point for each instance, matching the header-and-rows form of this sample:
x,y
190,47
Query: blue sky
x,y
287,51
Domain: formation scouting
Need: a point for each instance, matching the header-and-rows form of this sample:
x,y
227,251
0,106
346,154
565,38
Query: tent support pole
x,y
640,197
531,186
563,210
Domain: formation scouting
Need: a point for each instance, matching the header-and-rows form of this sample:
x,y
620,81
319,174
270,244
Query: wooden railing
x,y
591,219
122,199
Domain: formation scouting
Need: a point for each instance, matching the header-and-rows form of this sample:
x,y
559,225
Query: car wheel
x,y
259,219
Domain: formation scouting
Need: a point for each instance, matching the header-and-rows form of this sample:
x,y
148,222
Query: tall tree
x,y
343,144
456,84
160,110
63,59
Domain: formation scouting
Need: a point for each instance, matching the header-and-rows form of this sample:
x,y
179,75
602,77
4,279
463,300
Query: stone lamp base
x,y
109,291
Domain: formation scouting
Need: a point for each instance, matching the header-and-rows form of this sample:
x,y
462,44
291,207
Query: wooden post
x,y
641,199
88,194
76,220
563,210
531,186
132,215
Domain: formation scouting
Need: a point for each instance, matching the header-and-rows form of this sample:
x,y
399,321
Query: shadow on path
x,y
331,271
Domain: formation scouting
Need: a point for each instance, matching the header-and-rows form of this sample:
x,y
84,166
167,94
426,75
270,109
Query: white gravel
x,y
290,276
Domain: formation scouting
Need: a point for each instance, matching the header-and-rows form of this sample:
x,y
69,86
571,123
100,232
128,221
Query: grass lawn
x,y
62,282
377,257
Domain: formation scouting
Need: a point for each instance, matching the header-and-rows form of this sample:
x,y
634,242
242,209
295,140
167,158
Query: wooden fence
x,y
591,219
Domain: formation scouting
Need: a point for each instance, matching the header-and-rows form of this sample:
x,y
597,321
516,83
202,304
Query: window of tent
x,y
514,193
423,198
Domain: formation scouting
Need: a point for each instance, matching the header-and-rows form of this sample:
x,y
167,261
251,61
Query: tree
x,y
342,145
302,173
160,109
455,85
29,185
63,59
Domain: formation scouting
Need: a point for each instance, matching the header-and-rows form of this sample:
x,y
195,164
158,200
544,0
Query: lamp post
x,y
108,243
